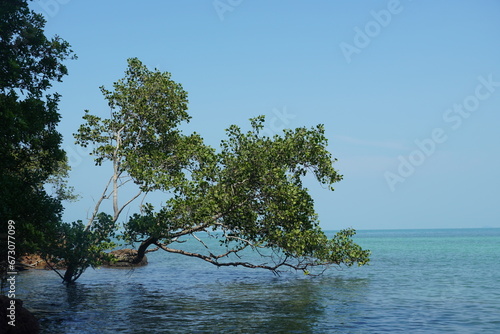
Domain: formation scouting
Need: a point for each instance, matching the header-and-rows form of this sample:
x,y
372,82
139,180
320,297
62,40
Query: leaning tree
x,y
248,194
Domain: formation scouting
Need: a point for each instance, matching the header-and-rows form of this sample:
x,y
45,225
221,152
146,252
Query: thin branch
x,y
123,207
204,244
151,250
214,260
142,202
97,206
248,242
116,171
235,251
202,226
53,268
122,183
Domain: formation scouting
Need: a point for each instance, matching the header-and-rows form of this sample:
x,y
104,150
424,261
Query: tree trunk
x,y
68,275
142,249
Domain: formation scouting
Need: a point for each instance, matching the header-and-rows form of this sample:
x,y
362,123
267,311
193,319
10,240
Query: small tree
x,y
249,195
75,247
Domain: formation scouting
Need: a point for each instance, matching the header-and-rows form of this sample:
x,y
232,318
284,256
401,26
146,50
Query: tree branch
x,y
202,226
213,259
53,268
123,206
96,209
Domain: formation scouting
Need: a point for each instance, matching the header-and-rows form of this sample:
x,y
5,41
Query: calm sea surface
x,y
419,281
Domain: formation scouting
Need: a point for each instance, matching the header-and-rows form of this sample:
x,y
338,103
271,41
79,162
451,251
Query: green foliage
x,y
141,226
30,151
75,248
250,192
142,134
141,138
31,156
29,61
59,183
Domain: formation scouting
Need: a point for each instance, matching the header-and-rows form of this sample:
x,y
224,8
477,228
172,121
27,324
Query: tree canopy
x,y
30,145
249,194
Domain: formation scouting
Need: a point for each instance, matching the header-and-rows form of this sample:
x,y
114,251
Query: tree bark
x,y
68,275
143,248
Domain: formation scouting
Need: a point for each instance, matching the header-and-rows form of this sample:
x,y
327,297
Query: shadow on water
x,y
257,303
416,283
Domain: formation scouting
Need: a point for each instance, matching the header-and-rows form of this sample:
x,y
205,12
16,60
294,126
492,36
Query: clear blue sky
x,y
409,92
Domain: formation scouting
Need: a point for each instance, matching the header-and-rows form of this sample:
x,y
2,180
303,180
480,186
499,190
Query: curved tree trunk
x,y
143,249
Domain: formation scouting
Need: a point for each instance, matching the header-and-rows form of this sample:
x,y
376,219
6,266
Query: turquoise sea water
x,y
419,281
